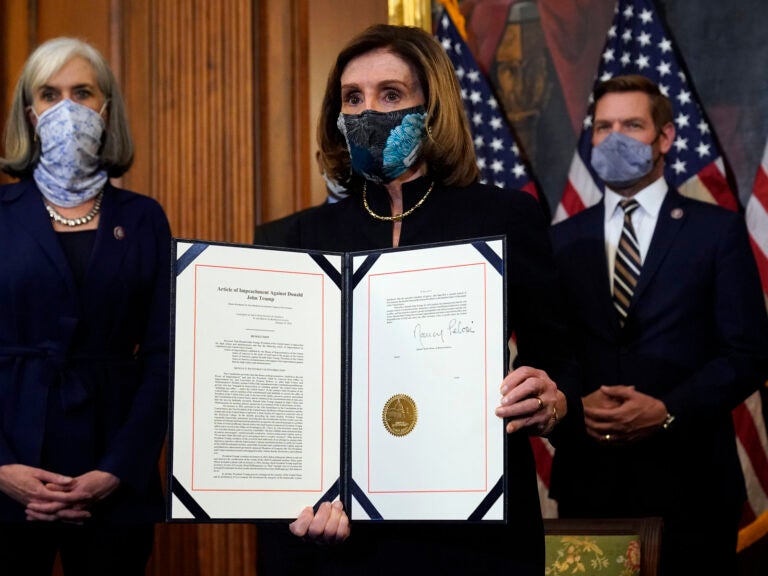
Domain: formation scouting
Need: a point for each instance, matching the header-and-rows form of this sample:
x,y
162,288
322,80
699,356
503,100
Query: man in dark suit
x,y
670,327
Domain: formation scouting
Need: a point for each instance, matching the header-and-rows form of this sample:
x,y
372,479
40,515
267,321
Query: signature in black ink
x,y
427,335
456,328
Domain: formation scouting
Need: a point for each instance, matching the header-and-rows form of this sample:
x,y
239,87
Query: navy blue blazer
x,y
84,372
696,337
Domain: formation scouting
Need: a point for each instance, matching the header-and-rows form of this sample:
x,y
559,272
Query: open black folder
x,y
300,376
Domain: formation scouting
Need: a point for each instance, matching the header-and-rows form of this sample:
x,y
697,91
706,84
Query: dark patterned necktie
x,y
627,267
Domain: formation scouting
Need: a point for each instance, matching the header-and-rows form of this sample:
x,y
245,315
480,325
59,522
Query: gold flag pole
x,y
411,13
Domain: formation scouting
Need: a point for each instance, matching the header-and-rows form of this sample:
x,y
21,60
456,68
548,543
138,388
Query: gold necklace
x,y
56,217
396,216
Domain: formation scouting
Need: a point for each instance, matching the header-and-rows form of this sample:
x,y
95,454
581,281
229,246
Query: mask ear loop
x,y
31,108
342,131
104,109
429,134
428,122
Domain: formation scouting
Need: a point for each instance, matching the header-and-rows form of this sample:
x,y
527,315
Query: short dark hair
x,y
661,106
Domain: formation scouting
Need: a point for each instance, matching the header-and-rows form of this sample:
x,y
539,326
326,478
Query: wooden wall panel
x,y
136,61
276,155
189,83
204,550
191,98
86,19
15,45
327,35
298,42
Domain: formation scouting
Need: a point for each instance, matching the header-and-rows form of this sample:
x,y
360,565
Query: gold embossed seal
x,y
399,415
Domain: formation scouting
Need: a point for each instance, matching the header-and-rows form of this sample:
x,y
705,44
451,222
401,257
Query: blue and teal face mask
x,y
383,145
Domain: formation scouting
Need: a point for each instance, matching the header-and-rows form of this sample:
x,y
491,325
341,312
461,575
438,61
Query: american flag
x,y
757,219
638,43
500,163
753,444
498,155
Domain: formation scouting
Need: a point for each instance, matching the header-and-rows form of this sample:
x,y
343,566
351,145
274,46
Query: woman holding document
x,y
394,132
84,306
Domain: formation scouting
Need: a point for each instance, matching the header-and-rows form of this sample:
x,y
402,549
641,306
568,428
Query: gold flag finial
x,y
411,13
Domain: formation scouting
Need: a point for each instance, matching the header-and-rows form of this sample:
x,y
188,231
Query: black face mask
x,y
383,145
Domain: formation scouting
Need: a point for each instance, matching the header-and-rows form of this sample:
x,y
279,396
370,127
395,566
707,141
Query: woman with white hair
x,y
84,304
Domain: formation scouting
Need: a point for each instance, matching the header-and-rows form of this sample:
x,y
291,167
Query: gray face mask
x,y
621,161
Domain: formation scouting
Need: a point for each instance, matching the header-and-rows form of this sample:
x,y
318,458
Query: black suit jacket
x,y
696,337
447,214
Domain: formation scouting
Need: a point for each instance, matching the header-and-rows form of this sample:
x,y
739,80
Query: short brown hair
x,y
448,150
661,107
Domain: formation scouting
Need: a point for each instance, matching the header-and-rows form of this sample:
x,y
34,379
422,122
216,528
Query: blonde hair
x,y
22,149
448,150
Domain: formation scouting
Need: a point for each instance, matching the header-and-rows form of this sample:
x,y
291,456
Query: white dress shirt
x,y
643,219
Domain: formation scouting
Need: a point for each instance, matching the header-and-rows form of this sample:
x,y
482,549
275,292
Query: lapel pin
x,y
119,232
676,213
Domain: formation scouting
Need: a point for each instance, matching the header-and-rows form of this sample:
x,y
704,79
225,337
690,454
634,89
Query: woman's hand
x,y
71,501
26,483
329,526
530,399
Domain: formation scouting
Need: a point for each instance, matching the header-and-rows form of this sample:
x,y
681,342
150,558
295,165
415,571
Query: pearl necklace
x,y
56,217
396,216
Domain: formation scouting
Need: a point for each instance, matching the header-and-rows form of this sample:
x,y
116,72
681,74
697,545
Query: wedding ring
x,y
541,404
549,426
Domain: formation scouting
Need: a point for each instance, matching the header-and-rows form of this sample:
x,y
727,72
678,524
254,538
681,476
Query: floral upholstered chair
x,y
603,547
